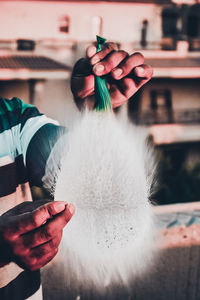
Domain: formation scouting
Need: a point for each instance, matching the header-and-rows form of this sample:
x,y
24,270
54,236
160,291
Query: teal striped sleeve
x,y
19,122
38,137
44,154
25,131
31,121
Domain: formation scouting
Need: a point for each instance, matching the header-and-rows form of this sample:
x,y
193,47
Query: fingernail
x,y
98,68
92,51
140,71
71,208
59,206
94,60
117,72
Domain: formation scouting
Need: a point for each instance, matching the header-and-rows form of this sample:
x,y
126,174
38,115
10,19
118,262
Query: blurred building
x,y
167,32
39,43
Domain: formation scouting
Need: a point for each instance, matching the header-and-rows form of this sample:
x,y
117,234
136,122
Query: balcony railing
x,y
150,117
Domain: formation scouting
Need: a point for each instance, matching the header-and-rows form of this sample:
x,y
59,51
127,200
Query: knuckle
x,y
124,53
30,219
33,220
55,243
52,244
9,236
139,55
25,252
52,254
48,258
46,233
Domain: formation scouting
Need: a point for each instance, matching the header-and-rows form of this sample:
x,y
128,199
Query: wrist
x,y
83,103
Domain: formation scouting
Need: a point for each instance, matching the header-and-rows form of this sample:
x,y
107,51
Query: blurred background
x,y
41,40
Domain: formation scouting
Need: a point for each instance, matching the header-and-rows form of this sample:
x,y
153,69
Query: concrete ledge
x,y
174,275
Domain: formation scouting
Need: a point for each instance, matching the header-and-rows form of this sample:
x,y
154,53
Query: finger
x,y
36,264
83,87
143,71
91,51
117,98
107,48
26,206
109,63
128,87
22,249
127,66
29,221
49,230
44,249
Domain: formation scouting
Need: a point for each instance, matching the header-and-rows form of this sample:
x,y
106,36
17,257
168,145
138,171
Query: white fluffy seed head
x,y
106,173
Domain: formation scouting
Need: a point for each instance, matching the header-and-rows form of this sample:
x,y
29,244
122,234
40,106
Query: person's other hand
x,y
125,74
31,232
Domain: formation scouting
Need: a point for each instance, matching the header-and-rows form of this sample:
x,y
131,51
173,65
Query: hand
x,y
31,232
125,74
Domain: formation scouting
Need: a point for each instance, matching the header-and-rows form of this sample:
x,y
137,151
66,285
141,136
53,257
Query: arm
x,y
31,232
37,135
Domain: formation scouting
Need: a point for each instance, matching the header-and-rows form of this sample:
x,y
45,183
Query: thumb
x,y
31,220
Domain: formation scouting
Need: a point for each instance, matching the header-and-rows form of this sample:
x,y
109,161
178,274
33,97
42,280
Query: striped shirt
x,y
27,139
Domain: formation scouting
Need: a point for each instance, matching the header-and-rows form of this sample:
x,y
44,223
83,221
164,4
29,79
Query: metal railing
x,y
150,117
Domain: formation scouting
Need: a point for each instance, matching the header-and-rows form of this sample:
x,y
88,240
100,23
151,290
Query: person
x,y
30,231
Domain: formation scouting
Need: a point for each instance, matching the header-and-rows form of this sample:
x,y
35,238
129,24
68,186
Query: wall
x,y
121,21
40,19
175,271
185,93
